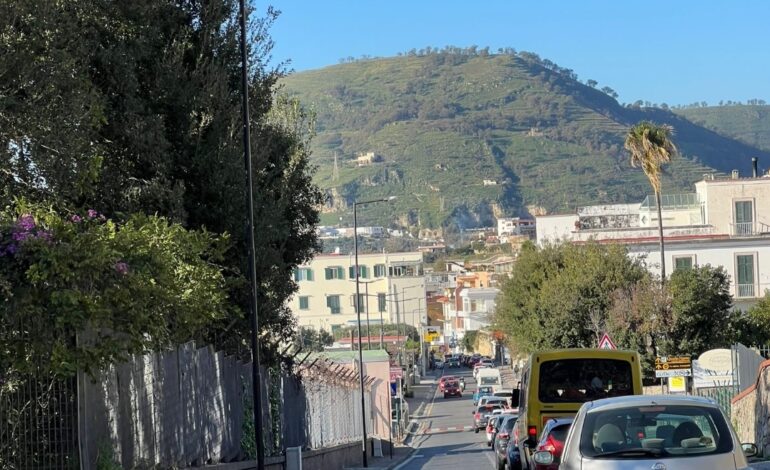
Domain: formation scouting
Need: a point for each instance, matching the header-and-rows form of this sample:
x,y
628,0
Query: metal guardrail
x,y
745,290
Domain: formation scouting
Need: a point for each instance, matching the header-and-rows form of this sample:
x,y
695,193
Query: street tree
x,y
651,147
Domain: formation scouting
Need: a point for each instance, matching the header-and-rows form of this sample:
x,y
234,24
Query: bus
x,y
554,384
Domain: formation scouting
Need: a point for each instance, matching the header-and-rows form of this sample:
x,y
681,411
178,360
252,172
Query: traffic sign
x,y
673,366
606,342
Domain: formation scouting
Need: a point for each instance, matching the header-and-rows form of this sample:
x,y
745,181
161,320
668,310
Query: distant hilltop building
x,y
364,159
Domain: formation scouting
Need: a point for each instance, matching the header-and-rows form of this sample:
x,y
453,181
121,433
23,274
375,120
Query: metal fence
x,y
178,408
38,416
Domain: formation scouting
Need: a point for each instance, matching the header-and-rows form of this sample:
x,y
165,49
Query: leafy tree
x,y
314,340
558,295
651,147
592,83
81,292
470,340
753,327
701,311
134,107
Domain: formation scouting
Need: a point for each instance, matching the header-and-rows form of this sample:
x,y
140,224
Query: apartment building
x,y
725,222
392,289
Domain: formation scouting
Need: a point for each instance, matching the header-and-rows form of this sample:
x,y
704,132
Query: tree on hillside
x,y
651,147
592,83
753,327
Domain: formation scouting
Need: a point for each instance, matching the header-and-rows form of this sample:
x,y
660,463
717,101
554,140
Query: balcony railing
x,y
745,290
743,229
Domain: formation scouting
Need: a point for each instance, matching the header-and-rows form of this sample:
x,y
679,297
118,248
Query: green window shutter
x,y
296,275
351,272
309,274
328,273
340,273
304,303
683,263
381,305
746,269
328,301
365,272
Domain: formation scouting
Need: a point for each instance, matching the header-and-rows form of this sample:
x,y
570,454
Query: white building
x,y
327,290
468,306
514,226
725,222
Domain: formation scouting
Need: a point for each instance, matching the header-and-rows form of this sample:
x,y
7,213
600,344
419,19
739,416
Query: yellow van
x,y
554,384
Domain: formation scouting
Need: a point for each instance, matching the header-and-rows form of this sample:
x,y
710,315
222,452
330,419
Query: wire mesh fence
x,y
38,423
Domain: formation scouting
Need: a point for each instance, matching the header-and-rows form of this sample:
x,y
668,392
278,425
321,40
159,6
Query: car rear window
x,y
580,380
671,431
560,432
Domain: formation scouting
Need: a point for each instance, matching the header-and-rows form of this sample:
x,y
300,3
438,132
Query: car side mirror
x,y
749,449
543,457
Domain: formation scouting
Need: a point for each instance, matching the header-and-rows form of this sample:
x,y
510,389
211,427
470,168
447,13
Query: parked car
x,y
552,440
502,439
651,431
481,392
482,414
452,389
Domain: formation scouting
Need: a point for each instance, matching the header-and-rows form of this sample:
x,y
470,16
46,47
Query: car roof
x,y
647,400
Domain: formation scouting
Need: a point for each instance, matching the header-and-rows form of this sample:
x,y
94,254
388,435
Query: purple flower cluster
x,y
121,267
24,230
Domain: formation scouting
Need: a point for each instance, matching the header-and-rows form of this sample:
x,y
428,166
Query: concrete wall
x,y
751,411
720,197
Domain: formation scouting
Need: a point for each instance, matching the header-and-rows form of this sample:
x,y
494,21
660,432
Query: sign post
x,y
673,366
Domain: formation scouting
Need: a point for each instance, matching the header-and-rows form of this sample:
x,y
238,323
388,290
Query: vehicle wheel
x,y
476,430
445,395
501,464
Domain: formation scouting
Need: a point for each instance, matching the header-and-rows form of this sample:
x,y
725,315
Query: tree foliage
x,y
81,292
134,108
311,339
558,296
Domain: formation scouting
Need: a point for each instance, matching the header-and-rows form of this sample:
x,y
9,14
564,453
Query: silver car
x,y
663,432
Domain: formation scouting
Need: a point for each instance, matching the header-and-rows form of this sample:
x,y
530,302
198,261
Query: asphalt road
x,y
444,439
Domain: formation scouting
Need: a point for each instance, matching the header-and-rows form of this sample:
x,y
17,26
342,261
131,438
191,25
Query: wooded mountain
x,y
748,123
463,135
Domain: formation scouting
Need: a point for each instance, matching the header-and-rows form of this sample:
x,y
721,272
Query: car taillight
x,y
503,435
548,445
532,432
477,415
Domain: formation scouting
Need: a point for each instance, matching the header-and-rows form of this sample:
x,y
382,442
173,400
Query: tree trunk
x,y
660,237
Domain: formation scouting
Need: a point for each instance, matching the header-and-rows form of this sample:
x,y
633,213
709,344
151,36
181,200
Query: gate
x,y
721,395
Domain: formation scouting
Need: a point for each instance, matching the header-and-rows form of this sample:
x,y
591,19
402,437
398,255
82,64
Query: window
x,y
303,274
683,262
381,302
334,272
379,270
363,272
745,275
336,331
409,270
744,217
681,431
333,302
580,380
361,302
304,303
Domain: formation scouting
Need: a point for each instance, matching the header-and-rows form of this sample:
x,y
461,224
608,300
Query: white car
x,y
492,400
651,432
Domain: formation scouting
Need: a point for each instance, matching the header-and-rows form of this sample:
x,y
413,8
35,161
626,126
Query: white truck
x,y
489,377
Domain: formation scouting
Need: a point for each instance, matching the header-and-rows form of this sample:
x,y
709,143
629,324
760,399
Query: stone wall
x,y
751,411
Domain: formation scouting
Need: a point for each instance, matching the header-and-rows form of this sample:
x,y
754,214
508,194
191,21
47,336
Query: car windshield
x,y
510,421
653,431
487,409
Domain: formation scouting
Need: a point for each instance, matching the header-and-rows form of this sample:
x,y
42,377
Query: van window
x,y
524,389
580,380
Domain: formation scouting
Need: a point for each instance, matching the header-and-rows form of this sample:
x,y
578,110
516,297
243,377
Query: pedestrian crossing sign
x,y
606,342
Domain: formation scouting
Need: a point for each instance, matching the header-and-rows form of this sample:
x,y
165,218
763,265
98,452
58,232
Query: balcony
x,y
745,290
749,229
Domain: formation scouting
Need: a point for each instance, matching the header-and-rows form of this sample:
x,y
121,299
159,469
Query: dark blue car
x,y
508,457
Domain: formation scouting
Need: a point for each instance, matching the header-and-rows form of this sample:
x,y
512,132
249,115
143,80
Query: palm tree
x,y
651,146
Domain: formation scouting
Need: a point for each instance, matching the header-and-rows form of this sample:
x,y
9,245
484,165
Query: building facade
x,y
391,287
725,222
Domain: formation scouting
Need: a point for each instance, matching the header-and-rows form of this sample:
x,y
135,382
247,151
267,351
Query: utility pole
x,y
255,373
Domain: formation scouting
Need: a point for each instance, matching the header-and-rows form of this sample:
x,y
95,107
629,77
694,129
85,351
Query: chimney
x,y
735,174
753,167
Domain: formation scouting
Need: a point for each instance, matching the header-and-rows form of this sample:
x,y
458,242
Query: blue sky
x,y
674,52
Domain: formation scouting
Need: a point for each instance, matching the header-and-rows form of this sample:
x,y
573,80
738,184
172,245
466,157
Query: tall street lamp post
x,y
358,315
255,373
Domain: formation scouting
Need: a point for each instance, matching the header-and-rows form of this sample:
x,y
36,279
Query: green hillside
x,y
748,123
445,122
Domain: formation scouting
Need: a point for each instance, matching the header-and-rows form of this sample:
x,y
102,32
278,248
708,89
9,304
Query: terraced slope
x,y
445,123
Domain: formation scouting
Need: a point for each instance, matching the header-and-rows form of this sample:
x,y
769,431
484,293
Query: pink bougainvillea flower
x,y
92,213
121,267
26,222
76,219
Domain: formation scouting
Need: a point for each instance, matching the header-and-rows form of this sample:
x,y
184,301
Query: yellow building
x,y
394,282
